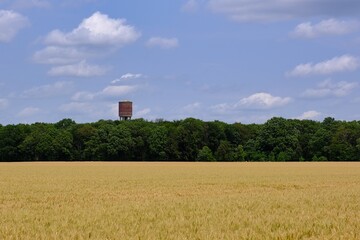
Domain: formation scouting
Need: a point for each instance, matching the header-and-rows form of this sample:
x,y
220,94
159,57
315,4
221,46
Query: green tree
x,y
253,152
319,143
205,155
224,151
11,136
81,134
343,143
189,138
66,123
239,154
158,141
46,143
281,137
110,142
214,133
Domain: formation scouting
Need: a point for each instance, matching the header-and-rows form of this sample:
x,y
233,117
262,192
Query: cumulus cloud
x,y
29,111
165,43
309,115
343,63
10,24
325,27
262,101
257,101
97,30
3,103
97,35
277,10
114,91
49,90
330,89
127,76
82,69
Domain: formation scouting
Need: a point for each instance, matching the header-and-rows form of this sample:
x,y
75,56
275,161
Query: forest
x,y
190,139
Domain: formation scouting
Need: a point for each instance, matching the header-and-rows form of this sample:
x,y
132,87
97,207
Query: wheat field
x,y
92,200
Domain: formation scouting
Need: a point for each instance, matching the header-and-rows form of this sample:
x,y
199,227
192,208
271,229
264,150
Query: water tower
x,y
125,110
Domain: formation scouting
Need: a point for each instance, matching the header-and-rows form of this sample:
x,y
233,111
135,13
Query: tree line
x,y
190,139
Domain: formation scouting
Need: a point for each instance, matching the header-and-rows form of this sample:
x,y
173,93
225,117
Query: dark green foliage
x,y
224,151
190,139
11,137
158,143
46,142
205,155
280,137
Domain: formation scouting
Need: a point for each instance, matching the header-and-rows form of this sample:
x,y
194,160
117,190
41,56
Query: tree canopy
x,y
190,139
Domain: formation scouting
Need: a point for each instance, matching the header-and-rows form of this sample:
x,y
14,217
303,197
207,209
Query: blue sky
x,y
229,60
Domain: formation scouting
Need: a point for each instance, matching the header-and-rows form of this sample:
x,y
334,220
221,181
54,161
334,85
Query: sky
x,y
229,60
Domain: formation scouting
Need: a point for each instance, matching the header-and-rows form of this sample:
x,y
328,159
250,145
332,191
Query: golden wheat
x,y
179,200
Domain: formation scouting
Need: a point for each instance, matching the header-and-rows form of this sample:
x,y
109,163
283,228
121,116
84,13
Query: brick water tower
x,y
125,110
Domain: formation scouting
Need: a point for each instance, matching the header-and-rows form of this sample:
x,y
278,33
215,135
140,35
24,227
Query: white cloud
x,y
29,111
81,69
330,89
98,35
131,76
114,91
83,96
190,6
50,90
343,63
3,103
109,91
310,115
142,113
128,76
190,108
262,101
165,43
325,27
98,30
222,108
257,101
10,24
277,10
60,55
